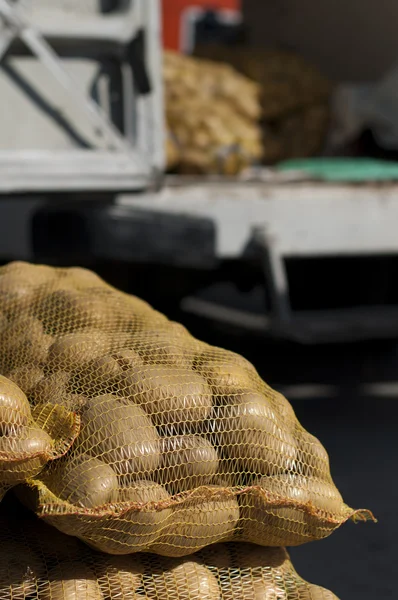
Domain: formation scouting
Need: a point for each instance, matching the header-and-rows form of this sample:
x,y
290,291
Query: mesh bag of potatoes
x,y
294,98
181,444
38,563
212,113
30,437
287,81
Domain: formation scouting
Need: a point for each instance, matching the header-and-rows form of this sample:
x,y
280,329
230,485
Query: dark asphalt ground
x,y
360,434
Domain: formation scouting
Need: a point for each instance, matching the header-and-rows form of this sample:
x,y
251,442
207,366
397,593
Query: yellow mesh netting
x,y
181,444
30,437
37,562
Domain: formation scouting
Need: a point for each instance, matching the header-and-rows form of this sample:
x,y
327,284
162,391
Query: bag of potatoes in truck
x,y
41,563
30,436
212,113
181,445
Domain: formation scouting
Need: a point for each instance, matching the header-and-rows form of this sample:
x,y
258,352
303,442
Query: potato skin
x,y
119,576
24,342
84,481
255,587
72,350
312,457
136,530
101,375
50,389
316,592
174,397
166,346
26,377
14,407
262,525
121,434
70,581
188,461
253,438
226,372
197,523
147,524
30,450
187,579
19,283
68,310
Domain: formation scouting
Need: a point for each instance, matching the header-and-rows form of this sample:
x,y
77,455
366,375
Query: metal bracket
x,y
275,273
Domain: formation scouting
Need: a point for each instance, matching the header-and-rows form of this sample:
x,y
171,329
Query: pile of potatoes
x,y
39,563
212,114
181,445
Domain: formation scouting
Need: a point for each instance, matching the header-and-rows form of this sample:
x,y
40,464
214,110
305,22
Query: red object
x,y
173,12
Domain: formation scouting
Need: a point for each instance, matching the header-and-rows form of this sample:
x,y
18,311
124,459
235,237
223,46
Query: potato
x,y
83,481
70,581
256,586
146,525
72,350
20,566
251,435
188,461
135,530
187,579
287,525
197,523
14,407
250,556
325,496
20,328
119,577
27,454
121,434
313,459
284,409
273,525
69,310
51,389
169,345
227,372
19,283
24,342
172,397
315,592
127,359
101,375
81,278
26,377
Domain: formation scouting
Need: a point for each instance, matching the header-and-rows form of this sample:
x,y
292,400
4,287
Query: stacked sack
x,y
212,115
38,563
173,445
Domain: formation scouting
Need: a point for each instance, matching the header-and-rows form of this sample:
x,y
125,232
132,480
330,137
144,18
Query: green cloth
x,y
343,169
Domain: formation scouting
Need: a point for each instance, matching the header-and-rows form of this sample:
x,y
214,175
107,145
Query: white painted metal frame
x,y
129,161
118,27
